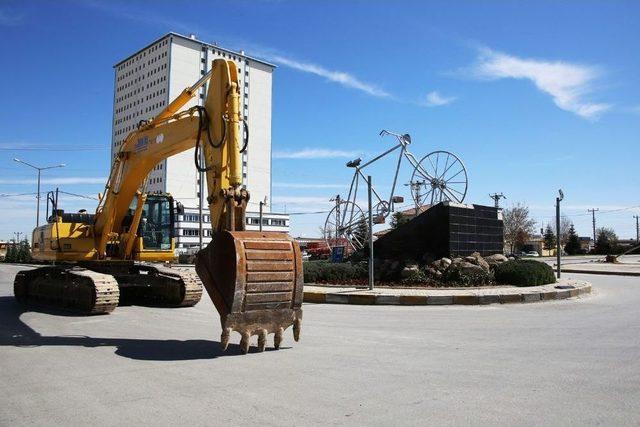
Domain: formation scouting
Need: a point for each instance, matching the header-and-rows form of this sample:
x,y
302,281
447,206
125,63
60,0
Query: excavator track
x,y
153,285
68,288
189,287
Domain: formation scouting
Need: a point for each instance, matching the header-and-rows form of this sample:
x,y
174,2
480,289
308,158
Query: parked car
x,y
532,253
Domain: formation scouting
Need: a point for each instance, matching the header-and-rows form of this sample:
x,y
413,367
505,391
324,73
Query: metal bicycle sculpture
x,y
438,176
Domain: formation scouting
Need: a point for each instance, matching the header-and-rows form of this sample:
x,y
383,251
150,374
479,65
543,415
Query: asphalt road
x,y
573,362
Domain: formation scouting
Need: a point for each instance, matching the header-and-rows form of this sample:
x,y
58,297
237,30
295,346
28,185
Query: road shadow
x,y
14,332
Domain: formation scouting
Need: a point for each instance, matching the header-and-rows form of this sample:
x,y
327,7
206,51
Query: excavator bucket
x,y
255,281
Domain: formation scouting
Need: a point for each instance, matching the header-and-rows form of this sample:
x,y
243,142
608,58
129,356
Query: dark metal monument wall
x,y
445,230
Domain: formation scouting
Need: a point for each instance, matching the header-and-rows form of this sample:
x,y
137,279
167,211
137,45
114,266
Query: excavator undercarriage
x,y
97,287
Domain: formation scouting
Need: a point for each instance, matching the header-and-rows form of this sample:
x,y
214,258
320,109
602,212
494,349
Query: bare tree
x,y
518,227
325,234
565,226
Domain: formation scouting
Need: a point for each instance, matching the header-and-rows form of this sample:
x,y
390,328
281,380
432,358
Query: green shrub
x,y
457,277
524,273
416,277
325,271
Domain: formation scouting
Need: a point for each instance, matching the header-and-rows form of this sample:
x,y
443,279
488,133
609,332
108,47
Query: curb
x,y
441,297
604,272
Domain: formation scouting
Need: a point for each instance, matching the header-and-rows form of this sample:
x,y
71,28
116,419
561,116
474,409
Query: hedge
x,y
325,271
523,272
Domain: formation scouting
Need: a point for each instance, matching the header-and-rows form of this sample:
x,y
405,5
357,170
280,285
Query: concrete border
x,y
604,272
563,289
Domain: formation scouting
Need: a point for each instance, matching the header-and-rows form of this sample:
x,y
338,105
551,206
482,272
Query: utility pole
x,y
593,214
496,198
371,272
17,234
558,246
39,169
637,229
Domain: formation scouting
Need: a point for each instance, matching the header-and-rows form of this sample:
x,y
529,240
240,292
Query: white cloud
x,y
339,77
56,181
314,153
567,83
434,99
301,185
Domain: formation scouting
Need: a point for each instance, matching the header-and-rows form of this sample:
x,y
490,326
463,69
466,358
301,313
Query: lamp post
x,y
39,169
262,203
558,246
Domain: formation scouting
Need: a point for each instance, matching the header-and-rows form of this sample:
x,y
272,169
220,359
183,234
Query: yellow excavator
x,y
96,260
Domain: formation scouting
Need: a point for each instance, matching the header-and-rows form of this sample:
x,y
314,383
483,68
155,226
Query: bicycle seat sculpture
x,y
439,176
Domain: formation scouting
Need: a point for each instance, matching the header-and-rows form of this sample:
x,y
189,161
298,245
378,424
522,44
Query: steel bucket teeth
x,y
245,339
255,282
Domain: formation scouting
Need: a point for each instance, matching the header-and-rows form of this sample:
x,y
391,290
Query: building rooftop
x,y
196,40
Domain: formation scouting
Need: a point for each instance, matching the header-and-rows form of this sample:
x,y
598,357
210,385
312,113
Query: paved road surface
x,y
563,363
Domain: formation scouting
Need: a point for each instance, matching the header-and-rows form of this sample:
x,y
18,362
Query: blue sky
x,y
532,97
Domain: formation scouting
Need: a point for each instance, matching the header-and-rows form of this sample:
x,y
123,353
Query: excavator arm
x,y
253,278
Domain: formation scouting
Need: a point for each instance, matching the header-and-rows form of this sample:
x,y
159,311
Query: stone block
x,y
337,299
439,299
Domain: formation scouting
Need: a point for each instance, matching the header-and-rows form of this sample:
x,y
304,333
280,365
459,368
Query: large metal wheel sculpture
x,y
441,176
346,225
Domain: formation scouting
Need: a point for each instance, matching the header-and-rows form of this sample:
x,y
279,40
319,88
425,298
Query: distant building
x,y
188,226
147,80
586,243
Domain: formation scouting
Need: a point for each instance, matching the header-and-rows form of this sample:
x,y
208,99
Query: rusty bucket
x,y
255,281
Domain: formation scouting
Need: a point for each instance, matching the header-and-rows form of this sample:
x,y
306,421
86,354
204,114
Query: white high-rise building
x,y
148,80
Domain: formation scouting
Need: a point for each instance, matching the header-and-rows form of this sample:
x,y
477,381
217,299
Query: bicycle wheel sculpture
x,y
346,225
442,177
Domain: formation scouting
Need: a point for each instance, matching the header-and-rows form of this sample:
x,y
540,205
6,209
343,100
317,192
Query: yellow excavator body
x,y
253,278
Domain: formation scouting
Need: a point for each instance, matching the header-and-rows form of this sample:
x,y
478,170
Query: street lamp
x,y
39,169
262,203
558,200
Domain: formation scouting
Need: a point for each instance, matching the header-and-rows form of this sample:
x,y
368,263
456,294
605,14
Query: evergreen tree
x,y
606,241
573,242
398,218
11,253
549,240
24,254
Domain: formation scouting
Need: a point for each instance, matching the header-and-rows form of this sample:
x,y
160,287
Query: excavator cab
x,y
155,235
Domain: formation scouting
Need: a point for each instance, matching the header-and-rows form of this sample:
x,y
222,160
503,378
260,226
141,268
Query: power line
x,y
307,213
16,195
53,148
600,212
78,195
